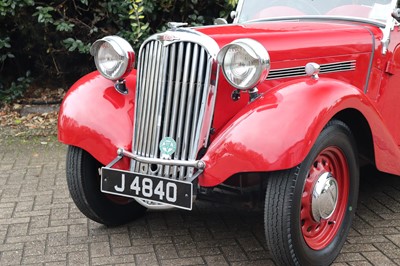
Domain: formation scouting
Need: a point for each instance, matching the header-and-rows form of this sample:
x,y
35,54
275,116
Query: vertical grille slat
x,y
200,74
172,91
155,101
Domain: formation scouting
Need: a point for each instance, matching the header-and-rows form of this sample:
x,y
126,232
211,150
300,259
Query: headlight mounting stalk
x,y
245,64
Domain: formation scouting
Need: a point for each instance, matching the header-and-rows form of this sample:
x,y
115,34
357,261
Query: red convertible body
x,y
292,103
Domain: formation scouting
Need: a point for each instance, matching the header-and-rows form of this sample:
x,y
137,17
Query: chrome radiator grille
x,y
173,87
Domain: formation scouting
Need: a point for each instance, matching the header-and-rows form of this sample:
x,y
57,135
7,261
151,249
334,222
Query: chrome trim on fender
x,y
300,71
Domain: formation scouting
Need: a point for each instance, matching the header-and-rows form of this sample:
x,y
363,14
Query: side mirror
x,y
220,21
233,15
396,14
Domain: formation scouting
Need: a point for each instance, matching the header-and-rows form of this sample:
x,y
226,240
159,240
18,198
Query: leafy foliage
x,y
54,49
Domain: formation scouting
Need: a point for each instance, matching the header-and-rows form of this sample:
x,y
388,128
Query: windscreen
x,y
270,9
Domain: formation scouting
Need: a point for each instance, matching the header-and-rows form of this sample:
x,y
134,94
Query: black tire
x,y
294,235
83,180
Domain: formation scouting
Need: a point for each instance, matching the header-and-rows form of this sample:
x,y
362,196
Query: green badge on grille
x,y
167,146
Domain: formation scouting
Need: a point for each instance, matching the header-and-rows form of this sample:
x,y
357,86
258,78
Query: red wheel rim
x,y
319,234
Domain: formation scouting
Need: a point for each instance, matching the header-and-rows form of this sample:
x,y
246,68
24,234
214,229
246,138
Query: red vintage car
x,y
290,99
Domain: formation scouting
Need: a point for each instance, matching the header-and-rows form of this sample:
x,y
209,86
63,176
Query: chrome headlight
x,y
113,56
245,63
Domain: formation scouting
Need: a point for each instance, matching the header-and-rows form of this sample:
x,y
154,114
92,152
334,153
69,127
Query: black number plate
x,y
163,190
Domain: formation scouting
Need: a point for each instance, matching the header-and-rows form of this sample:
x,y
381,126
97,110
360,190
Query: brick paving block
x,y
378,231
367,239
216,260
57,239
386,223
165,251
378,258
78,258
250,244
185,241
113,260
59,214
50,229
120,240
39,222
3,233
233,253
258,255
12,257
18,229
358,223
199,234
359,263
87,239
391,216
395,239
255,263
169,232
139,232
100,249
390,250
148,259
71,221
347,257
151,241
350,248
6,213
143,249
66,249
11,247
77,230
44,258
32,213
216,243
4,166
10,192
27,238
25,206
34,248
197,252
183,261
102,229
237,234
387,201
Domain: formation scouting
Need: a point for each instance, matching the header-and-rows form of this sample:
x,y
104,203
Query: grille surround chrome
x,y
164,107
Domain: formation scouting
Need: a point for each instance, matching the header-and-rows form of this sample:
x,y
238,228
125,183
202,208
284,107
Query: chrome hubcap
x,y
325,197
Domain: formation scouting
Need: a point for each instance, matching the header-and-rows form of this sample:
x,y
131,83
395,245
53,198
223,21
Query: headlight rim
x,y
263,58
122,48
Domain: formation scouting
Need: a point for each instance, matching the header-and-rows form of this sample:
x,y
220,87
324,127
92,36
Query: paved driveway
x,y
40,225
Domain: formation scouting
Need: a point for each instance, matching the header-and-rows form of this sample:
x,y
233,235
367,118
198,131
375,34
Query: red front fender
x,y
277,130
96,118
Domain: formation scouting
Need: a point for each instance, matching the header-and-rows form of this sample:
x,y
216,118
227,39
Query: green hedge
x,y
46,43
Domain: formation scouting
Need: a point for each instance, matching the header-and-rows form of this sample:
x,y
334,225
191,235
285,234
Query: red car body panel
x,y
277,130
98,119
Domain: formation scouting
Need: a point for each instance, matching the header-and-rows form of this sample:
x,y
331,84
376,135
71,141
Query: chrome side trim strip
x,y
300,71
